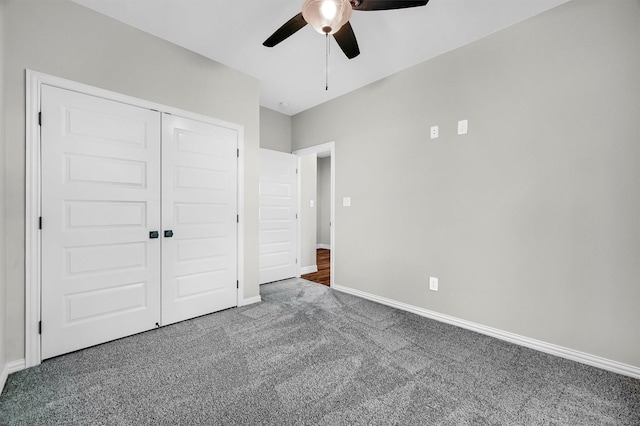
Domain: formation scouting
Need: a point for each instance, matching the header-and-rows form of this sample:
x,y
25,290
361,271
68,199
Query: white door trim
x,y
329,146
34,82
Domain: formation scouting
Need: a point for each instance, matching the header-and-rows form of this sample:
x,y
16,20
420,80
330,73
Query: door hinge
x,y
40,222
40,119
237,284
296,215
296,261
237,218
238,152
39,327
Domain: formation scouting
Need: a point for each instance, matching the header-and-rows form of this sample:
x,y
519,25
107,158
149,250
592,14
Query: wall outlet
x,y
433,284
434,132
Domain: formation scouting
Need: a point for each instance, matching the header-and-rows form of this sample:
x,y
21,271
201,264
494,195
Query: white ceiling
x,y
232,31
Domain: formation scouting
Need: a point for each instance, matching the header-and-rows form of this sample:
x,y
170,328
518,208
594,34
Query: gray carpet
x,y
311,355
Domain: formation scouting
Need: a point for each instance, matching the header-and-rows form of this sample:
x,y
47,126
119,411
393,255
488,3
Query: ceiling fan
x,y
331,17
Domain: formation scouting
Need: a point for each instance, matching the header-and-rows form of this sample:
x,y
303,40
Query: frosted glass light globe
x,y
326,16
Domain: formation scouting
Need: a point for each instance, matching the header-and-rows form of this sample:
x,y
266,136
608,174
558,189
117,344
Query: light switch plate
x,y
311,203
463,126
434,132
346,201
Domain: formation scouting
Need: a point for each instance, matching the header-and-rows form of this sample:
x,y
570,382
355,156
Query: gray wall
x,y
323,235
69,41
275,130
308,219
531,221
3,242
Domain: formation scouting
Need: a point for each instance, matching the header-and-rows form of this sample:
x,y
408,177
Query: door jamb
x,y
329,146
34,82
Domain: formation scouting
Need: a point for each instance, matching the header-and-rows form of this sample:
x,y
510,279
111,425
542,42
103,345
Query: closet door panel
x,y
100,198
199,204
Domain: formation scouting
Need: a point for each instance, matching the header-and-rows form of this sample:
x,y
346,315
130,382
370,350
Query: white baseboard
x,y
308,269
11,367
250,301
584,358
3,377
323,246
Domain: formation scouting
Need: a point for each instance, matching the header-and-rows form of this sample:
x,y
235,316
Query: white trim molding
x,y
308,269
34,82
549,348
10,367
242,214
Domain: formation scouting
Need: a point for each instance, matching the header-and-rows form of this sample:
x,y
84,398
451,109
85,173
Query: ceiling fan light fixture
x,y
326,16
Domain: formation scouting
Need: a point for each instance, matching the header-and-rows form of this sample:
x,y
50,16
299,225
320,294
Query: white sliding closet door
x,y
278,219
100,199
199,202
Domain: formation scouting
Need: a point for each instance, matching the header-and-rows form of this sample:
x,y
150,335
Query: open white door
x,y
100,201
278,215
199,216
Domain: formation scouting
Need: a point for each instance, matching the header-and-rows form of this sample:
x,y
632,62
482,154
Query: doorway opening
x,y
323,260
317,248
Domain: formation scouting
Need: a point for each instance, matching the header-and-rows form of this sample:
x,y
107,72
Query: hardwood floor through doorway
x,y
323,276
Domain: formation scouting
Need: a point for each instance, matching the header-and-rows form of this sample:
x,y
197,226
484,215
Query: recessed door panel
x,y
194,178
196,249
196,214
202,284
102,303
105,214
92,259
103,127
107,171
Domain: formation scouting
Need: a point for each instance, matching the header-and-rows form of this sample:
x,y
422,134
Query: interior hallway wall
x,y
308,213
531,221
323,235
275,130
67,40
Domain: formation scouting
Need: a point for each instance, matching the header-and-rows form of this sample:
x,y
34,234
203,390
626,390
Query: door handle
x,y
168,233
154,234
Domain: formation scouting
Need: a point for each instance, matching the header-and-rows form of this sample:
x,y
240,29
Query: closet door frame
x,y
33,191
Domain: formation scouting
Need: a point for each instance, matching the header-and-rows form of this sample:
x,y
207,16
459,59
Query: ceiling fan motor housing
x,y
327,16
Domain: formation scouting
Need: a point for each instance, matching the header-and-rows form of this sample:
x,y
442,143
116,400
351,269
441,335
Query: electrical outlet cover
x,y
433,284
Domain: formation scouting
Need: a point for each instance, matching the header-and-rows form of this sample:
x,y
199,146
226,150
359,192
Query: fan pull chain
x,y
326,86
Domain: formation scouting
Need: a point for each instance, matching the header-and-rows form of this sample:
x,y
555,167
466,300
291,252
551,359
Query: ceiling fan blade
x,y
346,39
386,4
289,28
